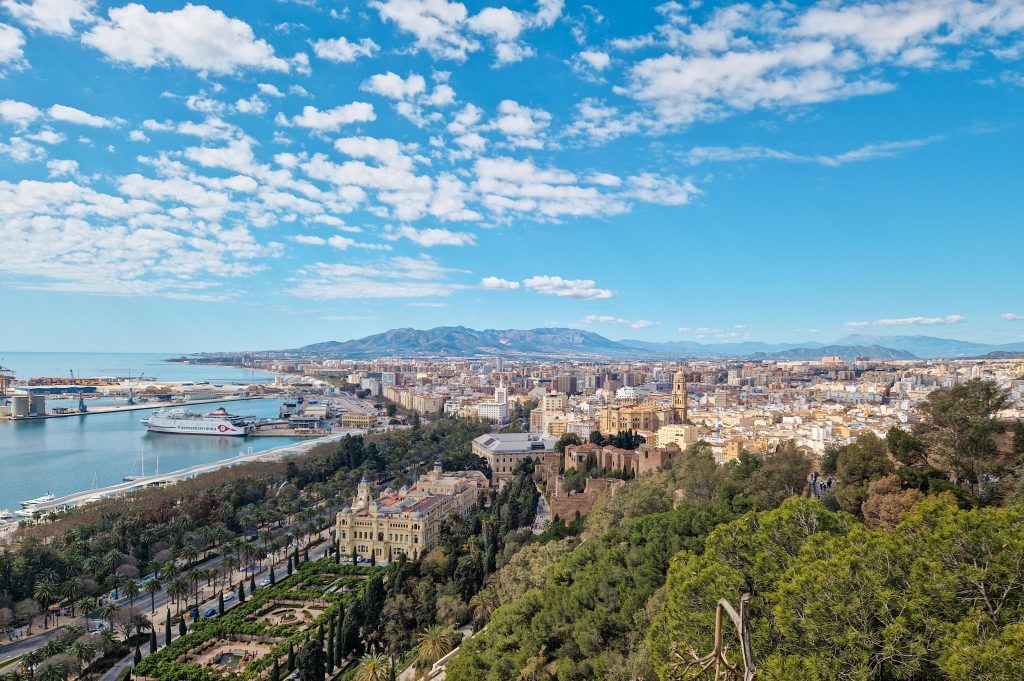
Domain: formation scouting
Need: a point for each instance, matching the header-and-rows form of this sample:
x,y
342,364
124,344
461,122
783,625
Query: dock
x,y
113,408
276,454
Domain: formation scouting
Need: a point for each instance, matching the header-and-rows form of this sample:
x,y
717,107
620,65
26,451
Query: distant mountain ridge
x,y
568,343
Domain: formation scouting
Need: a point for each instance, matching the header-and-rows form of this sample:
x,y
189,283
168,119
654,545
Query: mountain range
x,y
557,343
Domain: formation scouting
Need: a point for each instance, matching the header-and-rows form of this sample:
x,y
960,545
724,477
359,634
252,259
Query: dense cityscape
x,y
511,340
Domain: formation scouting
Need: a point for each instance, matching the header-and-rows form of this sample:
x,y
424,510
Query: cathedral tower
x,y
679,397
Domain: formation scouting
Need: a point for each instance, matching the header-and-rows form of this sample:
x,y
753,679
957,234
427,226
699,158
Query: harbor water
x,y
71,454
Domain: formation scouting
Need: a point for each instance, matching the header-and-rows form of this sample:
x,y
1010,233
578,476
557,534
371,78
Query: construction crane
x,y
6,376
81,400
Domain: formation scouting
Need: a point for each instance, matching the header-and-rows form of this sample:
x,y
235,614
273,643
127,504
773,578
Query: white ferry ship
x,y
182,422
45,499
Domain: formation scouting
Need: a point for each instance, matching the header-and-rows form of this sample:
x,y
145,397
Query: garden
x,y
260,638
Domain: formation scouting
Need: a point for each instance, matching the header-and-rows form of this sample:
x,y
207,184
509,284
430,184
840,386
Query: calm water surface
x,y
65,455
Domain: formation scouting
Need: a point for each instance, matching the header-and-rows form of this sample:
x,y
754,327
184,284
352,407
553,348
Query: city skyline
x,y
293,172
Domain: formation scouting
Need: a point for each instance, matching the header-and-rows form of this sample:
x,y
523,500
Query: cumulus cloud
x,y
11,42
51,16
194,36
522,126
393,86
18,113
342,51
593,59
1012,316
567,288
69,114
430,237
499,284
608,319
330,120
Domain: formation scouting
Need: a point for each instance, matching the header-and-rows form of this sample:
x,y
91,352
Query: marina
x,y
66,455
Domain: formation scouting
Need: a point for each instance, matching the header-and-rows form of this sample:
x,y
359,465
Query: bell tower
x,y
679,397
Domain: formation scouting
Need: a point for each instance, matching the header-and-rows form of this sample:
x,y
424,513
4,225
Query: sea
x,y
70,454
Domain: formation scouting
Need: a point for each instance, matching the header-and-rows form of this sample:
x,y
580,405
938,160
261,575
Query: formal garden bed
x,y
270,626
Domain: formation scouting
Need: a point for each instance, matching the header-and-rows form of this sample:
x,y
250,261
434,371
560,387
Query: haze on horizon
x,y
296,172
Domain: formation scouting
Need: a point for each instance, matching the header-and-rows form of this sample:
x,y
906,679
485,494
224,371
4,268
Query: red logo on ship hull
x,y
225,429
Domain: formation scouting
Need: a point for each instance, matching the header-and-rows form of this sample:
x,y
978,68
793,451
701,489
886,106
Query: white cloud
x,y
195,36
61,168
500,23
595,59
69,114
18,113
436,24
499,284
567,288
548,12
47,136
608,319
269,90
522,125
1012,316
393,86
698,155
397,277
51,16
430,237
598,123
911,321
11,42
308,239
330,120
21,150
341,50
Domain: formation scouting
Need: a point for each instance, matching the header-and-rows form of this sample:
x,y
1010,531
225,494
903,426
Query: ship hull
x,y
174,430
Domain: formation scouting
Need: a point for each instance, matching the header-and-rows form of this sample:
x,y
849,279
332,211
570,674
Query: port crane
x,y
6,376
81,400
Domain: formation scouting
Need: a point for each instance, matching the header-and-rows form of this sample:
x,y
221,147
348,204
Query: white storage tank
x,y
19,406
37,404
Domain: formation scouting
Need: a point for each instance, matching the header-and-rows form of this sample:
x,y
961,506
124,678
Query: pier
x,y
112,408
78,498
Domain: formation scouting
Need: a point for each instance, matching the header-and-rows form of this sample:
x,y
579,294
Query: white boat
x,y
30,512
183,422
46,498
6,516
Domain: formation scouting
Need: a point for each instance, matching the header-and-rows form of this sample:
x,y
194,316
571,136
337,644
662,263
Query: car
x,y
265,582
229,596
210,612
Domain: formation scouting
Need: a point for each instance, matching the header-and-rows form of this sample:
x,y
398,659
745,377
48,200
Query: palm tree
x,y
108,612
432,644
71,589
373,667
85,605
45,592
131,589
152,587
177,589
51,671
228,566
82,651
190,553
31,660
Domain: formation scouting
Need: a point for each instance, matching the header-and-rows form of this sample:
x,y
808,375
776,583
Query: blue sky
x,y
269,174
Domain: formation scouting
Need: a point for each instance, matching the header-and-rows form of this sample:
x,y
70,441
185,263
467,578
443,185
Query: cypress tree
x,y
330,646
152,641
355,556
320,633
241,592
275,673
138,655
373,558
273,578
295,555
167,628
252,584
307,554
181,627
291,658
289,566
220,603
